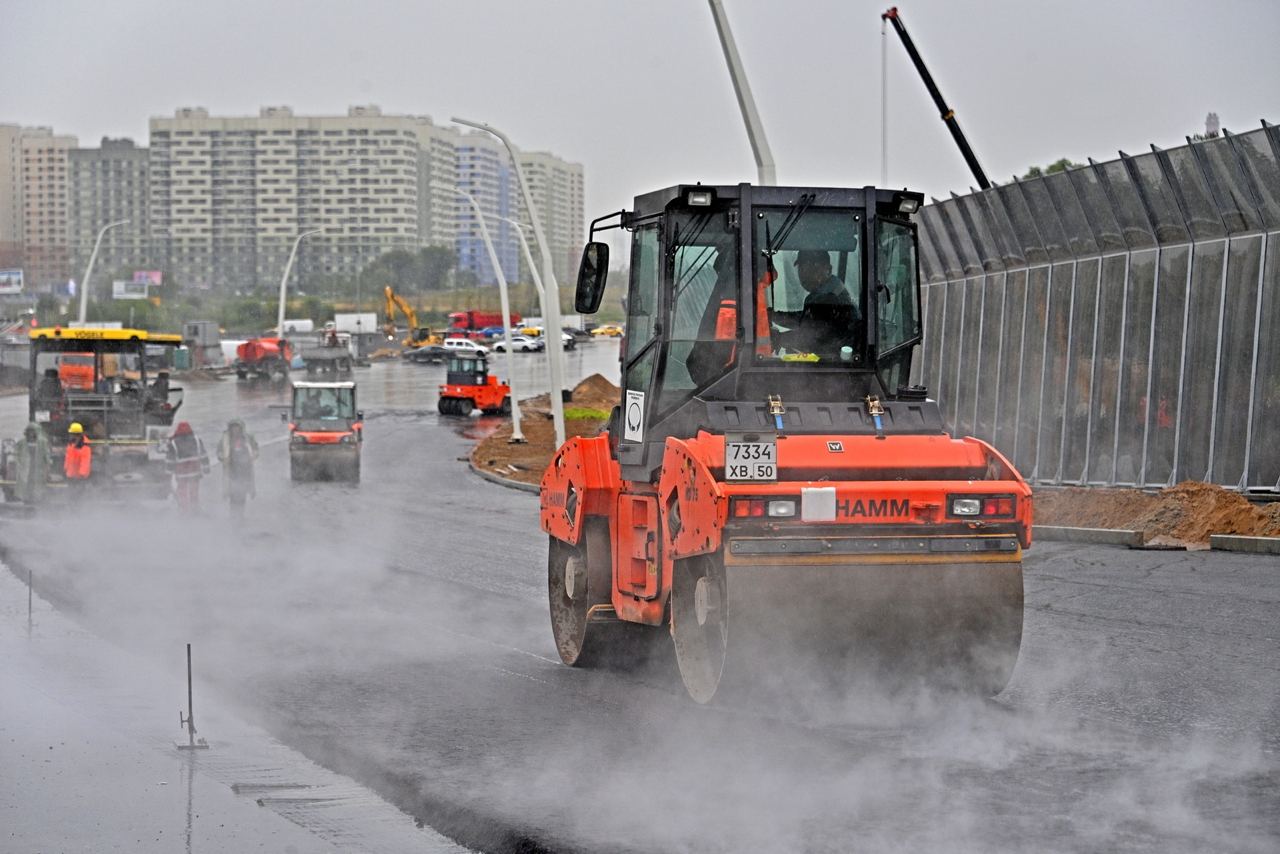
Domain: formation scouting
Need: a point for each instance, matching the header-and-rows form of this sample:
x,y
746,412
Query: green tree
x,y
1056,166
411,272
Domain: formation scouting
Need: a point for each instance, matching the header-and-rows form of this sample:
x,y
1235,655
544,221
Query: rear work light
x,y
982,506
750,508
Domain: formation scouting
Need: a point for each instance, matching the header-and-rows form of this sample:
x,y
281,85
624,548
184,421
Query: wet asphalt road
x,y
397,632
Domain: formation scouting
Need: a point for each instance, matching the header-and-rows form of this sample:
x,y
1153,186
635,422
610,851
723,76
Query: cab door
x,y
639,349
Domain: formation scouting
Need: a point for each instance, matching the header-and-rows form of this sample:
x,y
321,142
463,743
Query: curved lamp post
x,y
555,347
284,280
84,283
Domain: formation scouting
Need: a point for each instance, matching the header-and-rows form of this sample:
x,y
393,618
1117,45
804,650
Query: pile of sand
x,y
1186,513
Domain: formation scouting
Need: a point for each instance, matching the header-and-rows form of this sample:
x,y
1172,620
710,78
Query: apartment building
x,y
10,196
229,196
484,171
44,204
219,201
556,186
109,184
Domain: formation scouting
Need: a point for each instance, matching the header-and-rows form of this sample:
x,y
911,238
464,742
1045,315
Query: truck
x,y
467,324
264,358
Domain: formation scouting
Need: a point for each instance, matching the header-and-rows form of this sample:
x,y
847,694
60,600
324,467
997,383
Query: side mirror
x,y
284,416
359,414
591,277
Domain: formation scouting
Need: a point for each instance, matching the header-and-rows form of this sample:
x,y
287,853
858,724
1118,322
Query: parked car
x,y
462,345
491,332
607,330
429,354
519,344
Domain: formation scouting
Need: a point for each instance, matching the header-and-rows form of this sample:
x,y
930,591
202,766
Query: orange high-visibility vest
x,y
78,461
727,318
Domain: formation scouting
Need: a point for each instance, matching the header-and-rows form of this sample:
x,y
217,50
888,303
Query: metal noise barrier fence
x,y
1116,323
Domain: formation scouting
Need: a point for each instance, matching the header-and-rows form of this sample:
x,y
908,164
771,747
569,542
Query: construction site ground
x,y
1182,515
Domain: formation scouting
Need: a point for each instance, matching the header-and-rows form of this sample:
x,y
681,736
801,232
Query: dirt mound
x,y
596,392
1186,513
525,462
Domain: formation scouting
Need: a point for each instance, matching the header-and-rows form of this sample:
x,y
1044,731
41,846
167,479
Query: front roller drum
x,y
792,630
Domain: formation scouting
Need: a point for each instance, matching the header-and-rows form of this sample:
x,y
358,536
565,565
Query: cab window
x,y
642,303
704,321
896,287
808,274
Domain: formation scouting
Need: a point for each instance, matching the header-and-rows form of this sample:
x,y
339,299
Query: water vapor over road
x,y
398,632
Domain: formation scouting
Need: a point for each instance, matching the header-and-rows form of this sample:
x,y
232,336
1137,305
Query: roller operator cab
x,y
771,492
326,432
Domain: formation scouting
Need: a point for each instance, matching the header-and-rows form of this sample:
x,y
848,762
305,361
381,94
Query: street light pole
x,y
533,270
84,283
284,280
555,346
516,435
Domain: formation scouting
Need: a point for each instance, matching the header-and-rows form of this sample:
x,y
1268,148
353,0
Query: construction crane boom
x,y
948,115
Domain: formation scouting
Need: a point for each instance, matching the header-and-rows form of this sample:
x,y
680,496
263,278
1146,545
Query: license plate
x,y
754,460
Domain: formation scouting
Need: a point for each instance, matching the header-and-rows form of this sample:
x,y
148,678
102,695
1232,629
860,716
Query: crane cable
x,y
884,103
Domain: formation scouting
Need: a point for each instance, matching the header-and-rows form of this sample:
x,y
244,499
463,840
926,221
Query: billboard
x,y
128,290
10,281
148,277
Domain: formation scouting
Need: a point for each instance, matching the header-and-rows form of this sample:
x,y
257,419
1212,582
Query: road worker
x,y
77,460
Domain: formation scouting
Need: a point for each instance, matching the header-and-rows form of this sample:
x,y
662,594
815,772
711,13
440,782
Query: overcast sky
x,y
638,91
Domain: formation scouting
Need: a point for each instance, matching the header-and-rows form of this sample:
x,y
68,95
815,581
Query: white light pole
x,y
284,280
555,347
528,259
766,174
516,435
84,283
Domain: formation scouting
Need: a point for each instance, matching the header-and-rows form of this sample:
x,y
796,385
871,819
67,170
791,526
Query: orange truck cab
x,y
468,385
326,432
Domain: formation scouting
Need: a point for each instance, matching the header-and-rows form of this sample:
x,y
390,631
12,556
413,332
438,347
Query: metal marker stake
x,y
190,721
28,604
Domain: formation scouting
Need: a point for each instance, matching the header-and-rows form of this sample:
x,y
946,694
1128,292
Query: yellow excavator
x,y
419,336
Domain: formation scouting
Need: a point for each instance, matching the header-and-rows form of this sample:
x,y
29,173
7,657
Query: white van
x,y
462,345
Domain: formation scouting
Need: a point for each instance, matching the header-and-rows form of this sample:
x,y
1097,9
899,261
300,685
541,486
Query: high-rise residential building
x,y
219,201
556,186
484,171
229,196
10,196
109,184
45,244
437,206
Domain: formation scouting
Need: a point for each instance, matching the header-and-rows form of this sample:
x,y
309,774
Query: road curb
x,y
1096,536
1249,545
502,481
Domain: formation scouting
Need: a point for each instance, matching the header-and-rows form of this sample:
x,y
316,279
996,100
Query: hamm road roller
x,y
771,491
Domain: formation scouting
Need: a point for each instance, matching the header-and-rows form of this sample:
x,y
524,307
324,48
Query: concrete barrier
x,y
1250,545
1096,536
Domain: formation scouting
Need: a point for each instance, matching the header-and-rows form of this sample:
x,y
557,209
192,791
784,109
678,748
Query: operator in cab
x,y
828,316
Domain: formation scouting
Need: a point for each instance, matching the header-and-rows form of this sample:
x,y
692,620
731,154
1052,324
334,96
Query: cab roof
x,y
657,201
347,384
56,333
